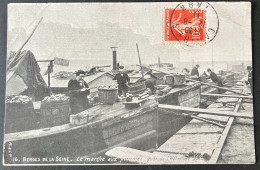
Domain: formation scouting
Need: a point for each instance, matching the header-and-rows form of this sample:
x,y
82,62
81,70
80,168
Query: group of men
x,y
213,76
79,89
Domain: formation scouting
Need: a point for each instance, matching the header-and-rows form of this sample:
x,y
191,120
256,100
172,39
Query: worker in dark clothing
x,y
250,78
122,81
195,71
78,90
149,83
213,76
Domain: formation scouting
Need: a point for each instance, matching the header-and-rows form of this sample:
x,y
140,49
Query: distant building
x,y
60,85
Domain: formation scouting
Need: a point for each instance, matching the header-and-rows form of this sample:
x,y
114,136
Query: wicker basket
x,y
107,96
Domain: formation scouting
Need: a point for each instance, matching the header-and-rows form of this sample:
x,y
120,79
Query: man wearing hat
x,y
78,90
195,71
250,78
122,81
213,76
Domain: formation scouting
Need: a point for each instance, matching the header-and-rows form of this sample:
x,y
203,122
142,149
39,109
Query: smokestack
x,y
159,62
114,57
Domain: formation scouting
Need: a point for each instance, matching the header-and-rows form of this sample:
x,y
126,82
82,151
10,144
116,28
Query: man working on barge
x,y
250,78
195,71
213,76
78,90
122,81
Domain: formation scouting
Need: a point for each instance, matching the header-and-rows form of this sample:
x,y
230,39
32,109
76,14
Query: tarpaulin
x,y
23,75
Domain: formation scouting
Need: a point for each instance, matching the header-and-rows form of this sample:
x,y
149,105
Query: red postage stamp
x,y
184,25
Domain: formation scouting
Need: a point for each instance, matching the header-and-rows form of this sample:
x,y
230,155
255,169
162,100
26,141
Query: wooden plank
x,y
215,117
205,120
177,158
200,128
136,101
203,111
225,95
226,100
222,88
220,144
137,156
185,143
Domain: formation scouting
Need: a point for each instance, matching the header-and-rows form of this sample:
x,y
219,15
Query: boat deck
x,y
196,143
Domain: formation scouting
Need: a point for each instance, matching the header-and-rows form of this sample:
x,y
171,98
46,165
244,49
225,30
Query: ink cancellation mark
x,y
191,23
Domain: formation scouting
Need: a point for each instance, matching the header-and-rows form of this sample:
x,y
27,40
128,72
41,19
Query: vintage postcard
x,y
129,83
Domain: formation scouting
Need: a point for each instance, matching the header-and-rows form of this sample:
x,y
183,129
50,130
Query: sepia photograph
x,y
154,83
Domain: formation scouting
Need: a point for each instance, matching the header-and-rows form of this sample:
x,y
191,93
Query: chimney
x,y
159,62
114,57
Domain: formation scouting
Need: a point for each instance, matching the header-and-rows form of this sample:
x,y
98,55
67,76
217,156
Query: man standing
x,y
213,76
78,90
250,78
195,71
122,81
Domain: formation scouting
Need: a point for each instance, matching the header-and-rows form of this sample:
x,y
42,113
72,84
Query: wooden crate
x,y
54,114
175,80
19,117
178,79
169,80
107,96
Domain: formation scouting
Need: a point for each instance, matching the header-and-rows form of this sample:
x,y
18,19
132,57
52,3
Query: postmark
x,y
190,23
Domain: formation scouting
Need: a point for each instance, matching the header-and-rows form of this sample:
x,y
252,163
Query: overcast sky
x,y
233,41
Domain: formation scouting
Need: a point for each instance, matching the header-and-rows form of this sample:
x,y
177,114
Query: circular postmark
x,y
191,23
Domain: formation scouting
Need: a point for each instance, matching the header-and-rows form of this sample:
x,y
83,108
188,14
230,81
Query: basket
x,y
137,88
107,96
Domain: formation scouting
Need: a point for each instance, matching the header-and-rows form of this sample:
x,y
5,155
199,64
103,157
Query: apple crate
x,y
54,114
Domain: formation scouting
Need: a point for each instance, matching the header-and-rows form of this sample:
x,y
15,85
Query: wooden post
x,y
140,61
49,77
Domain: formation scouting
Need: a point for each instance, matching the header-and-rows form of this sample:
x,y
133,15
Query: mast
x,y
140,61
212,62
20,49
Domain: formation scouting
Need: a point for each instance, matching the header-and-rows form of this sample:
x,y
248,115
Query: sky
x,y
233,41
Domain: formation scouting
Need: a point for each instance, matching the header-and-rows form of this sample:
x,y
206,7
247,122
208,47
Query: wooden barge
x,y
100,128
201,140
93,132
